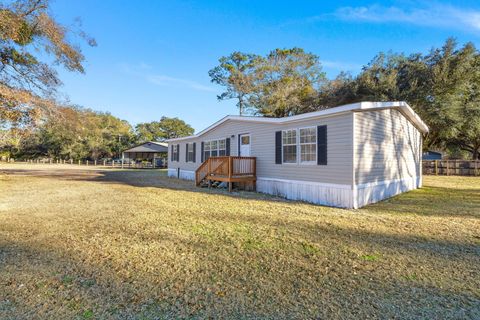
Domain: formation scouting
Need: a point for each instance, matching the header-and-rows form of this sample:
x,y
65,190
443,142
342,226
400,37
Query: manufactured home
x,y
347,156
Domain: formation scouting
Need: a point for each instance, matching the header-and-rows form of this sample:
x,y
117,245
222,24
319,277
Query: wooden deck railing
x,y
227,168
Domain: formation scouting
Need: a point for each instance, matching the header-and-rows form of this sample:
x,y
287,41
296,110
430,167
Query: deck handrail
x,y
226,166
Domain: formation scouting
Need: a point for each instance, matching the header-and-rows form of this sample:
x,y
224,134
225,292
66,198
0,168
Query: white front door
x,y
245,145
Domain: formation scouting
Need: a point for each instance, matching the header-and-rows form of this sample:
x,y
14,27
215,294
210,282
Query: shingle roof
x,y
149,146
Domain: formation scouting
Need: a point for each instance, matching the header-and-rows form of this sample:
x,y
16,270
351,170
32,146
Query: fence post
x,y
95,162
122,163
113,163
79,162
104,162
476,168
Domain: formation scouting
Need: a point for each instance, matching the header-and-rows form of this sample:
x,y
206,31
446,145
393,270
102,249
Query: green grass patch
x,y
370,257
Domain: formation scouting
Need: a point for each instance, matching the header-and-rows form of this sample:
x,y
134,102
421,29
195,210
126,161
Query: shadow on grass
x,y
146,178
46,281
433,201
186,277
428,201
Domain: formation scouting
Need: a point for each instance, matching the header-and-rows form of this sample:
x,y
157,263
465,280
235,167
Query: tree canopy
x,y
236,73
283,82
166,128
28,84
442,86
77,133
80,133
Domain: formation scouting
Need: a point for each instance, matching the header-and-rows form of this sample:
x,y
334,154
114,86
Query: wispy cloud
x,y
163,80
341,66
433,15
143,70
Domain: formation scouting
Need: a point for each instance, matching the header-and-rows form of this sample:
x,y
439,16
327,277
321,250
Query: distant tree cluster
x,y
166,128
442,86
76,133
79,133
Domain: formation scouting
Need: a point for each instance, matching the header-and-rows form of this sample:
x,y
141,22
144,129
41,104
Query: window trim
x,y
314,162
296,146
190,152
299,148
217,149
175,152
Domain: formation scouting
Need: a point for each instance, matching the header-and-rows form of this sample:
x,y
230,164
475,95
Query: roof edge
x,y
359,106
163,144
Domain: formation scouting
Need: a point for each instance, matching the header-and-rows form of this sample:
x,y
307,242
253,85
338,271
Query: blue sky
x,y
153,57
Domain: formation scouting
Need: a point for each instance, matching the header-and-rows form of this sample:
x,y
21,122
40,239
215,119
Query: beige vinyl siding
x,y
340,149
387,147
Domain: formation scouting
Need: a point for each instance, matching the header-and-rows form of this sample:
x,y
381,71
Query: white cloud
x,y
163,80
341,66
434,15
142,70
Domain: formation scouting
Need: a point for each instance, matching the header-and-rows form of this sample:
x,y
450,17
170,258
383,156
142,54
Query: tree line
x,y
79,133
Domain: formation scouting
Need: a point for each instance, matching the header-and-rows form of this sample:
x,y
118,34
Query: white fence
x,y
94,163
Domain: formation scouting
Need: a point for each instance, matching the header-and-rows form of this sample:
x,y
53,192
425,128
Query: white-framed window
x,y
190,152
214,148
206,150
175,152
289,146
308,145
222,147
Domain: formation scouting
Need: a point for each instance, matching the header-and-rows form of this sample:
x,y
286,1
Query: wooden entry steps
x,y
228,169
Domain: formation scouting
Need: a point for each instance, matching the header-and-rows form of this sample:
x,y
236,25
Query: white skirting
x,y
329,194
374,192
335,195
181,174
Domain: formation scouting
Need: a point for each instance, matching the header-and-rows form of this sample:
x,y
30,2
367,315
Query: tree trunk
x,y
476,154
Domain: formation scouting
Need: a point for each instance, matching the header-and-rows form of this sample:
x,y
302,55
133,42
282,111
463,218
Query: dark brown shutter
x,y
227,146
171,153
278,147
322,145
194,152
202,154
186,152
178,152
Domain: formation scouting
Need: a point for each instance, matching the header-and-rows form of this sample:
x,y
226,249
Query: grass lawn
x,y
102,244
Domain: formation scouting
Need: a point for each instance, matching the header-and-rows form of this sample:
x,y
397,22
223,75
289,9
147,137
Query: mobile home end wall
x,y
387,155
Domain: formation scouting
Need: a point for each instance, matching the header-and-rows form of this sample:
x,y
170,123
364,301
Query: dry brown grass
x,y
77,243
